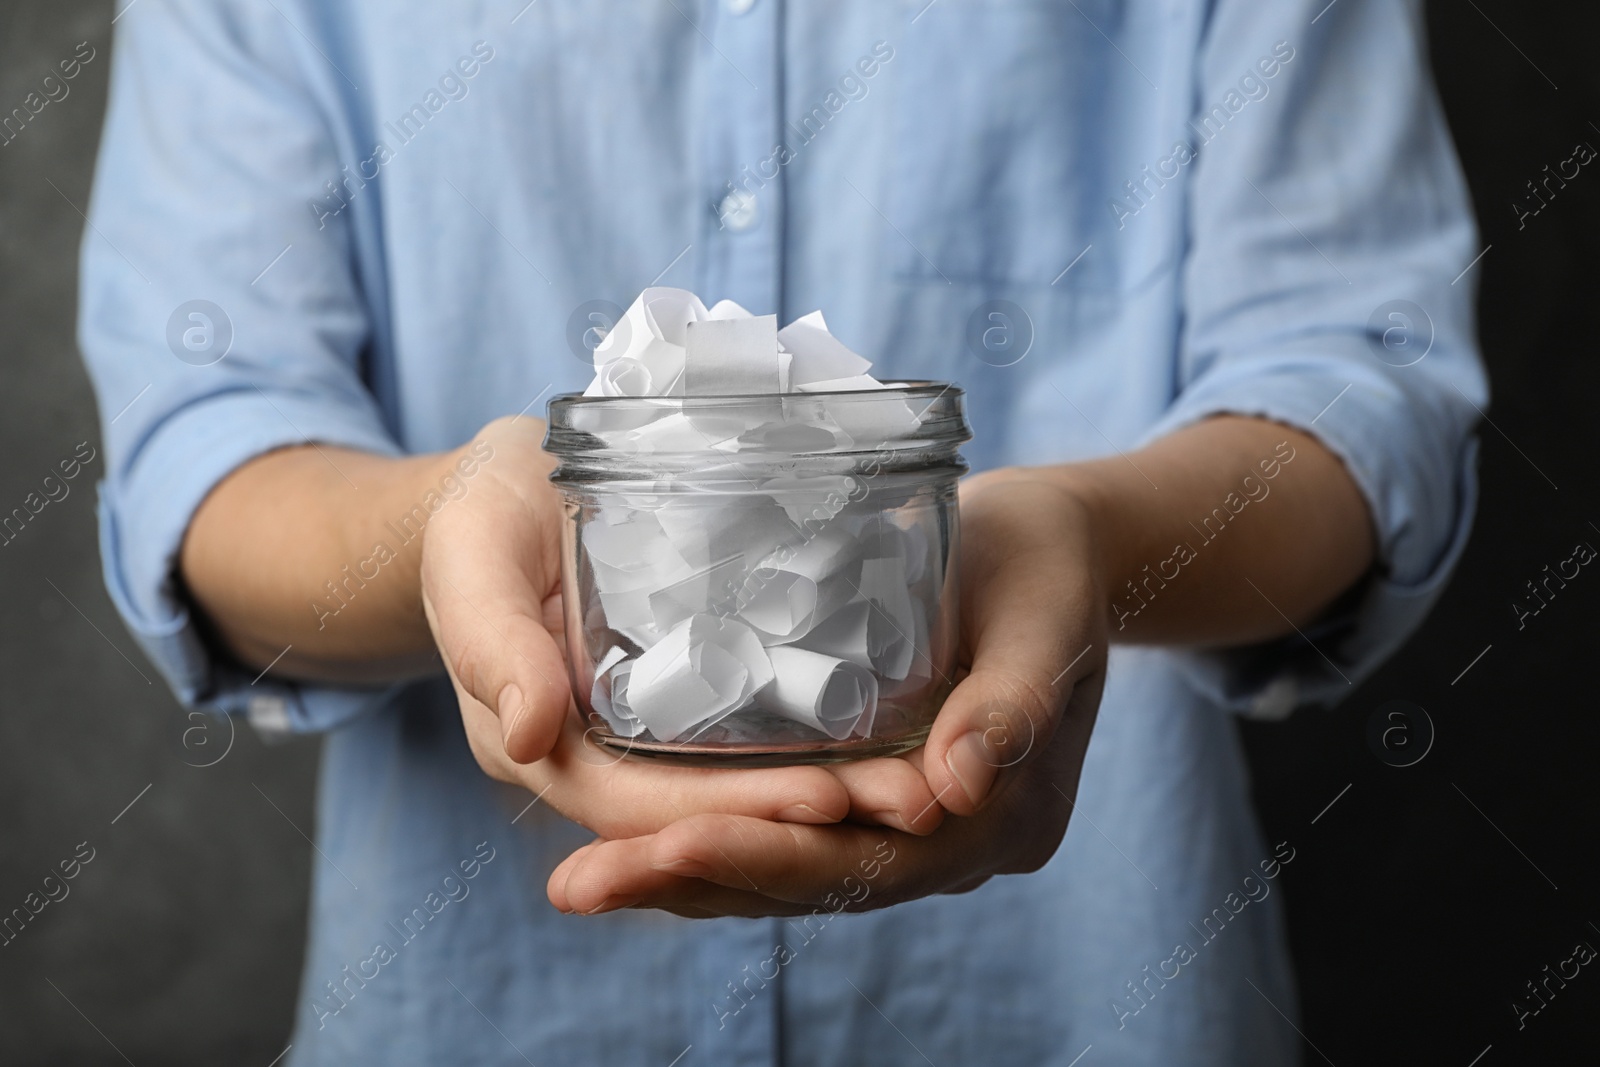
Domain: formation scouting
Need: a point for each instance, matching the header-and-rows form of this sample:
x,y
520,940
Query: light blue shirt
x,y
397,208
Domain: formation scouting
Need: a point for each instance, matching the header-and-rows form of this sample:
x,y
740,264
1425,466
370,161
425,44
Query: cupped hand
x,y
1003,756
491,587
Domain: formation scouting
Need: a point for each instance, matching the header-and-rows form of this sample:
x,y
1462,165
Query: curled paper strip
x,y
818,355
794,589
609,695
709,589
878,631
891,627
699,672
834,696
707,530
844,634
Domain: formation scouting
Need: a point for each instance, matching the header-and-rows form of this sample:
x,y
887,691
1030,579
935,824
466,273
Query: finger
x,y
555,885
486,607
610,875
807,865
578,887
725,865
585,883
890,792
484,739
1030,624
619,797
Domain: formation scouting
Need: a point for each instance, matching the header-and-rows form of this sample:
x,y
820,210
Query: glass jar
x,y
761,579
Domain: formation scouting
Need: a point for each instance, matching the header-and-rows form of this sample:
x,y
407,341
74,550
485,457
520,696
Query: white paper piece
x,y
823,556
922,667
785,606
891,628
869,716
833,696
798,586
854,383
700,672
813,499
670,311
677,432
709,529
710,590
843,634
914,546
818,355
625,544
794,438
624,376
880,535
652,335
781,606
872,422
631,557
727,309
609,695
628,611
614,655
732,357
870,634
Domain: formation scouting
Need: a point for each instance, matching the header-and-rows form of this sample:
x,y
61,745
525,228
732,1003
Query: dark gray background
x,y
1415,916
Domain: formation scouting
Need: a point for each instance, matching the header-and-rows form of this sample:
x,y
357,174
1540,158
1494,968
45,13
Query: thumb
x,y
501,656
1031,655
499,652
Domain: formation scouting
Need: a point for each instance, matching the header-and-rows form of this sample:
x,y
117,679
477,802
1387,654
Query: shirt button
x,y
739,7
738,210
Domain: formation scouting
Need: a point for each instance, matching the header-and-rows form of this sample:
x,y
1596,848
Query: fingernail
x,y
509,708
683,867
892,819
803,813
613,903
968,759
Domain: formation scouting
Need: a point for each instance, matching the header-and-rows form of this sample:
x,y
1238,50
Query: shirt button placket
x,y
739,257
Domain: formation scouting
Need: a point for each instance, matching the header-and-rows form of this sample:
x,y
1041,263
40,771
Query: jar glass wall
x,y
761,579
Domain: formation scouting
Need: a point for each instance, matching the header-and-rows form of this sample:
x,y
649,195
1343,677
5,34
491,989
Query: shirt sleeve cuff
x,y
1417,470
145,510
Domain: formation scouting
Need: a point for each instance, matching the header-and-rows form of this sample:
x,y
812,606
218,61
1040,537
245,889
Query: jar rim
x,y
914,388
917,423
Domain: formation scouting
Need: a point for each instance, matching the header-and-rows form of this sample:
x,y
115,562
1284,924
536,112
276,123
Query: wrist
x,y
370,621
1083,514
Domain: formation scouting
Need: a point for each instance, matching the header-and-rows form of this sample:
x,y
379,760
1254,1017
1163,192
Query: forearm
x,y
1228,532
317,549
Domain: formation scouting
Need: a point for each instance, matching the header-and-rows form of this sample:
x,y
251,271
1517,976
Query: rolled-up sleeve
x,y
1327,286
213,150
